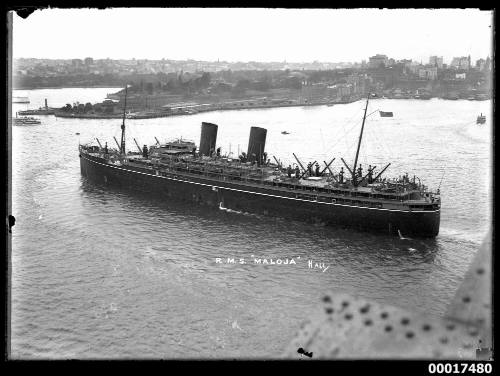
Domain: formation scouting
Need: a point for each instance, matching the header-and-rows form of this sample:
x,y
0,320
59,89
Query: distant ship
x,y
385,114
481,119
181,171
40,111
285,132
20,100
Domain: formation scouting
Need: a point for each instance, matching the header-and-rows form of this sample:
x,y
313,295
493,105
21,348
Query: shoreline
x,y
140,116
162,115
239,104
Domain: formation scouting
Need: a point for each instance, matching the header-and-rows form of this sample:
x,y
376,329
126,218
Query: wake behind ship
x,y
251,183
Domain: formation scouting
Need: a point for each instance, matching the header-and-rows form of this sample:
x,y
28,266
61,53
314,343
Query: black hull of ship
x,y
258,200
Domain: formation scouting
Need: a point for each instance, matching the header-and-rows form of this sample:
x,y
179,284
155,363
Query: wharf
x,y
214,107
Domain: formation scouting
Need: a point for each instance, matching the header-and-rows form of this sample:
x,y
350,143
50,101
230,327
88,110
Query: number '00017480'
x,y
478,368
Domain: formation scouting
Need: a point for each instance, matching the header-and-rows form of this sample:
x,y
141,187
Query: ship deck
x,y
271,178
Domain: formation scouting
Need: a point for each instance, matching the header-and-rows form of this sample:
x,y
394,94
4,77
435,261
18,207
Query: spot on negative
x,y
473,332
364,309
450,326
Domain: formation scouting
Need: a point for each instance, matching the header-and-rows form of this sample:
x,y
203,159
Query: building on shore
x,y
462,63
143,101
436,61
378,61
187,107
428,73
313,92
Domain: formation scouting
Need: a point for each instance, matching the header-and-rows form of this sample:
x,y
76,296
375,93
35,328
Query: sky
x,y
253,34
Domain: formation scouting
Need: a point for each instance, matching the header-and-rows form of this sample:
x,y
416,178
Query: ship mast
x,y
354,178
122,148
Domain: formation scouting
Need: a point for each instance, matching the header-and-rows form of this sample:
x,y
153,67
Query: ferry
x,y
25,120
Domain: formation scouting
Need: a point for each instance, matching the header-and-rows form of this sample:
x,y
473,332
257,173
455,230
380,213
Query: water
x,y
99,273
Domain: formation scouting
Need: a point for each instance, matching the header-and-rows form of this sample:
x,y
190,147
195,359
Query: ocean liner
x,y
251,183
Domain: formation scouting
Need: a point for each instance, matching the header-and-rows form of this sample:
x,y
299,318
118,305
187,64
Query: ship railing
x,y
218,172
224,175
316,194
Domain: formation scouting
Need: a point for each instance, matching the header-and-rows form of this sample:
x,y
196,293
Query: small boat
x,y
481,119
329,104
285,132
386,114
25,120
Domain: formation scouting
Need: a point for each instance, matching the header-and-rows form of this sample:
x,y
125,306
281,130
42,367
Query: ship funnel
x,y
46,107
256,144
208,138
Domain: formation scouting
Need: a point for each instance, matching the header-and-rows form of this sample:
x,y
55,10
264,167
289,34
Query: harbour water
x,y
103,273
